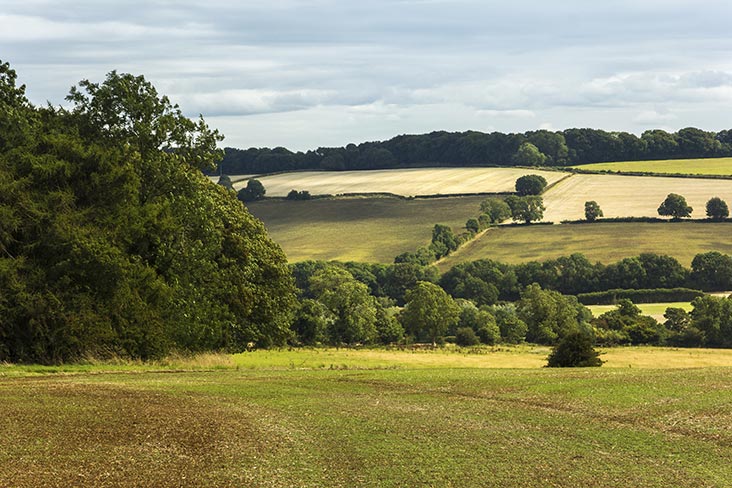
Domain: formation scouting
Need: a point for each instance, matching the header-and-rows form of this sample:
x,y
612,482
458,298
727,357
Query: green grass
x,y
413,426
605,242
709,166
359,229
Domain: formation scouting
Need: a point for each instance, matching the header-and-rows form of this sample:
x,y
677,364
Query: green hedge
x,y
655,295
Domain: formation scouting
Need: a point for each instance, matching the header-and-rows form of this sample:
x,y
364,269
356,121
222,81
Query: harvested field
x,y
405,182
704,166
359,229
628,196
605,242
655,310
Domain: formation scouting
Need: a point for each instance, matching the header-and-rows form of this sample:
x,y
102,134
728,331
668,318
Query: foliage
x,y
592,211
465,336
675,206
496,209
530,185
225,181
717,209
299,195
429,311
529,155
549,315
574,351
653,295
526,209
472,225
444,240
114,243
629,325
712,271
252,192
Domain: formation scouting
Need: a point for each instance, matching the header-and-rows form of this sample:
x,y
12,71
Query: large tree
x,y
429,311
717,209
675,206
526,209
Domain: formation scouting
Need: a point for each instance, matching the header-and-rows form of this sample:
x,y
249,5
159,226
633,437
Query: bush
x,y
655,295
465,336
575,350
717,209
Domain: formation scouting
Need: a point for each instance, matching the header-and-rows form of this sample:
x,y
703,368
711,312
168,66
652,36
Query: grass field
x,y
629,196
405,182
359,229
605,242
426,425
706,166
655,310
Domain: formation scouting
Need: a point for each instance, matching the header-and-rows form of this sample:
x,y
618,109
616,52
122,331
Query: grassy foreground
x,y
443,422
705,166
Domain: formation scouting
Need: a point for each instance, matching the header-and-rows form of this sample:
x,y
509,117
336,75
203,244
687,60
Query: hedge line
x,y
654,295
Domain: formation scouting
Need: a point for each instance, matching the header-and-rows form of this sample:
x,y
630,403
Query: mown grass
x,y
604,242
422,426
704,166
360,229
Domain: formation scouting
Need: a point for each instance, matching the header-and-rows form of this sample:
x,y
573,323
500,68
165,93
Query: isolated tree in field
x,y
526,209
252,192
496,209
675,206
575,350
530,185
592,211
529,155
717,209
429,311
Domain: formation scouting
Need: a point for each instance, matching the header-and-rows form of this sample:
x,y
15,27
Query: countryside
x,y
441,245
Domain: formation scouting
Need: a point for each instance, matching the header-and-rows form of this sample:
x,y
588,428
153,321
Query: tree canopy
x,y
112,242
675,206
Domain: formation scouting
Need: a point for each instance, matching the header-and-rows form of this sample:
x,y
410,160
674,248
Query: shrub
x,y
252,192
465,336
717,209
575,350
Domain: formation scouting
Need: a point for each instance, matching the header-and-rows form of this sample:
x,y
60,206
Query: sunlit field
x,y
701,166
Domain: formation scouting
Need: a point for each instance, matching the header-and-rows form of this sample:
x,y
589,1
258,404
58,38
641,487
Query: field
x,y
629,196
397,419
655,310
359,229
707,166
405,182
605,242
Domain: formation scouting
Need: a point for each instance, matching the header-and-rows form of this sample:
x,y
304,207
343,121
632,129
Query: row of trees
x,y
472,148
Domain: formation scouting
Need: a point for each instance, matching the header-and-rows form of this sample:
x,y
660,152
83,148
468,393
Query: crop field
x,y
604,242
705,166
404,182
655,310
359,229
629,196
373,425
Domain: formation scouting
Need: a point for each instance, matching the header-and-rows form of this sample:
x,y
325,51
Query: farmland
x,y
359,229
605,242
628,196
414,425
405,182
706,166
655,310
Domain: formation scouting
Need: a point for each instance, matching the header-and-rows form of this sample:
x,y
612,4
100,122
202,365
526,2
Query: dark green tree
x,y
526,209
496,209
530,185
592,211
429,312
529,155
717,209
225,181
574,351
675,206
252,192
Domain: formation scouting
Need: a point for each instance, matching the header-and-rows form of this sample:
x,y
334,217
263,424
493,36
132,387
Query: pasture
x,y
404,182
359,229
629,196
655,310
606,242
276,422
703,166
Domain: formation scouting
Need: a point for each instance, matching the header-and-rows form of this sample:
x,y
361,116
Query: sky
x,y
310,73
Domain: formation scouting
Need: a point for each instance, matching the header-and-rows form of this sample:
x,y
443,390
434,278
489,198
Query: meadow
x,y
703,166
404,182
372,229
655,310
606,242
652,417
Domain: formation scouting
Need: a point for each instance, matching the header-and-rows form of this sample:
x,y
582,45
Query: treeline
x,y
471,148
113,243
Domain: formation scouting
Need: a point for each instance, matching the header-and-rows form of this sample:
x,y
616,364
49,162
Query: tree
x,y
712,271
465,336
429,311
717,209
675,206
496,209
225,181
530,185
472,226
526,209
529,155
592,211
574,351
549,315
444,240
252,192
